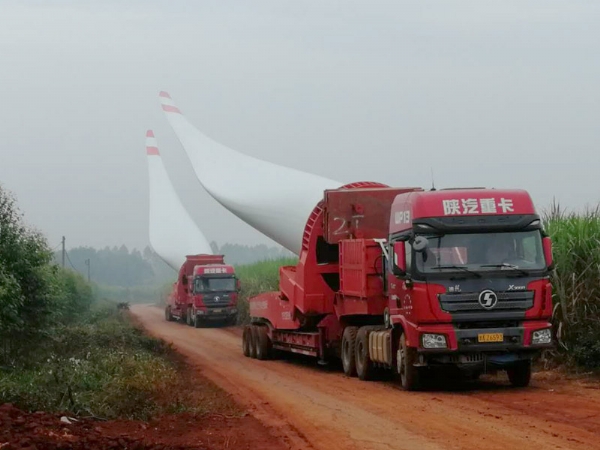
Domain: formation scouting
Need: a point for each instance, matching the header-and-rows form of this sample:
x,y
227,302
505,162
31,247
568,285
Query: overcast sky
x,y
497,94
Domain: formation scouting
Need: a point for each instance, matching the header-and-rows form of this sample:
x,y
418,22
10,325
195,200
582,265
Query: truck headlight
x,y
541,337
433,340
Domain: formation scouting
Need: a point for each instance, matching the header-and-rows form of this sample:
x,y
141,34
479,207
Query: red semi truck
x,y
206,290
411,280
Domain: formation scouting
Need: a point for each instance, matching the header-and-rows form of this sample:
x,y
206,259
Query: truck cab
x,y
206,290
468,282
214,293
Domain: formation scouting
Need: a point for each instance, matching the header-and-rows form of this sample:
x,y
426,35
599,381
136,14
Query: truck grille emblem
x,y
488,299
217,299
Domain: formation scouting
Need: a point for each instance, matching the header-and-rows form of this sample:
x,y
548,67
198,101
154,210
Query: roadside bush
x,y
576,285
31,289
256,278
102,366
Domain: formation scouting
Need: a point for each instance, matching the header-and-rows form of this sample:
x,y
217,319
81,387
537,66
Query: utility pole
x,y
63,252
88,263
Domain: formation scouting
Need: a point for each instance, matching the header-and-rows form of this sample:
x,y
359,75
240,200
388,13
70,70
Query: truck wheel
x,y
168,315
246,336
197,322
263,343
520,374
405,360
188,317
349,351
364,366
252,340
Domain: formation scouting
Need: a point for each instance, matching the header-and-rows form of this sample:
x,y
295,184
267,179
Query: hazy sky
x,y
486,93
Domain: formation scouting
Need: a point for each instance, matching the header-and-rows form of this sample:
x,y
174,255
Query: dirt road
x,y
310,407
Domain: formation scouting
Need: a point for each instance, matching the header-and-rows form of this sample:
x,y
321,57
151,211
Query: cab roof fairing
x,y
456,203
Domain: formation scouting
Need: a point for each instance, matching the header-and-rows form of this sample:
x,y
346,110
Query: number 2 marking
x,y
341,228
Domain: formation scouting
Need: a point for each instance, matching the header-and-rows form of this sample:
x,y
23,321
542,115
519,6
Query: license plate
x,y
490,337
217,311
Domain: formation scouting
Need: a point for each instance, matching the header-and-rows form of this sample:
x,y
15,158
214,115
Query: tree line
x,y
119,266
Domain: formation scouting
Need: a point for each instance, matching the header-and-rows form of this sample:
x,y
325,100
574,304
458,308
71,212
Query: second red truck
x,y
206,290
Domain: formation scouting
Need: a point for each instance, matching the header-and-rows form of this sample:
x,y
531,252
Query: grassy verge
x,y
101,366
576,285
256,278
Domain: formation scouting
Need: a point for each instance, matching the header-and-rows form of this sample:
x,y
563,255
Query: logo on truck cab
x,y
488,299
457,207
401,217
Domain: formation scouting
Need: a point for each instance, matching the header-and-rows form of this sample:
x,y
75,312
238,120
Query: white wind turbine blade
x,y
275,200
173,233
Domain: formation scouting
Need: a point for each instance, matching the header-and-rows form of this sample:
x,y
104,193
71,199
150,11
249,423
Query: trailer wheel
x,y
405,360
168,315
246,337
520,374
349,351
263,343
252,340
364,366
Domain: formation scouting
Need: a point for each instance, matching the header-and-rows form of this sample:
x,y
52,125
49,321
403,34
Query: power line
x,y
69,259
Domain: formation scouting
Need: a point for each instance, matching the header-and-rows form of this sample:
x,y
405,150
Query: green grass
x,y
256,278
576,285
101,366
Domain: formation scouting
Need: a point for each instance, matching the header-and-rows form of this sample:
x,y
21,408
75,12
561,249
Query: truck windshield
x,y
517,251
203,284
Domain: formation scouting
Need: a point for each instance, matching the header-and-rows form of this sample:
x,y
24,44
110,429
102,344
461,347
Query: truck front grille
x,y
469,302
216,301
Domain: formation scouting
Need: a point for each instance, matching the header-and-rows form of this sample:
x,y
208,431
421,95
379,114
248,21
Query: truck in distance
x,y
206,290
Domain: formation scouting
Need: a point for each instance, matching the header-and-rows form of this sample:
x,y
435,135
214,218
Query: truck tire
x,y
520,374
195,320
263,343
252,341
408,374
364,366
349,351
188,317
168,315
246,337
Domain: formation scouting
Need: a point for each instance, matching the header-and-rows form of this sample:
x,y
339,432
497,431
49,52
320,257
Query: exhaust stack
x,y
275,200
173,233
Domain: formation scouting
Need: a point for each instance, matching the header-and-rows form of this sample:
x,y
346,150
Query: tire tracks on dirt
x,y
309,407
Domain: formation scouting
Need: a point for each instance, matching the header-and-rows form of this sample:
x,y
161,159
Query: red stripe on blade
x,y
152,151
169,108
149,133
164,94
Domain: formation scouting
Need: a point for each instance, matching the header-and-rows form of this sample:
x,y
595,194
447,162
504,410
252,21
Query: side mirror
x,y
547,244
399,263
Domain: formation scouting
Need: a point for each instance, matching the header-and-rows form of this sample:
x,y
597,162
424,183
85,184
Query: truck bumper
x,y
228,312
477,361
466,349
